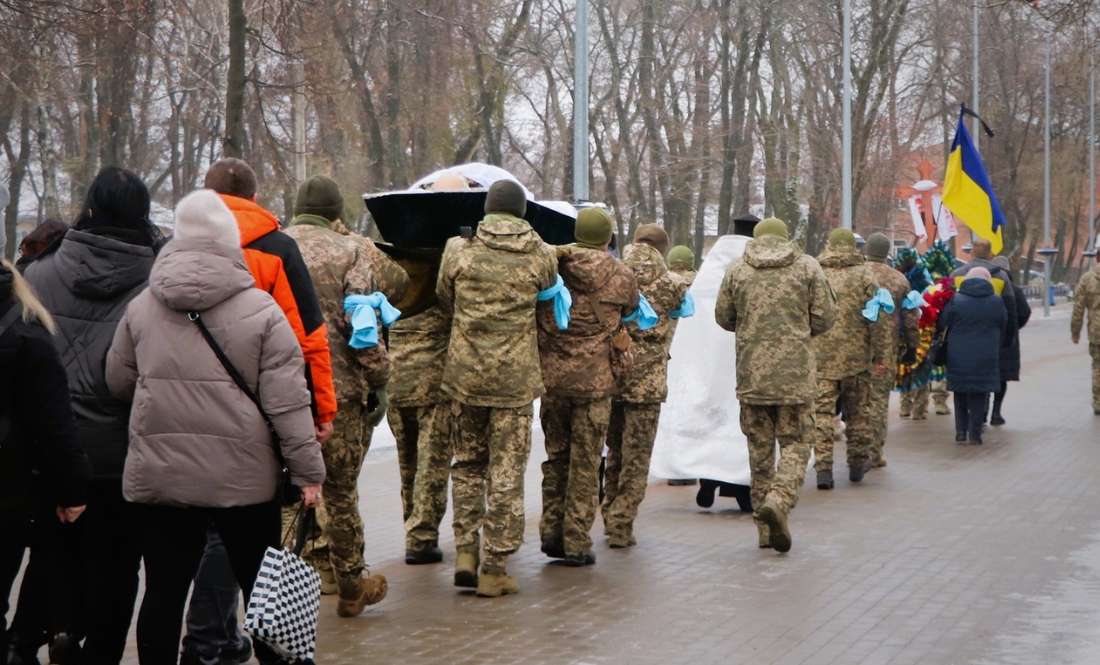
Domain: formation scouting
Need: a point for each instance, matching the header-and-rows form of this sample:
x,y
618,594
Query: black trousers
x,y
14,540
51,597
970,410
113,552
173,541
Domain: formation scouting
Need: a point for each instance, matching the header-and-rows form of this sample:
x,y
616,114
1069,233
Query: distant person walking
x,y
1087,299
1010,353
974,322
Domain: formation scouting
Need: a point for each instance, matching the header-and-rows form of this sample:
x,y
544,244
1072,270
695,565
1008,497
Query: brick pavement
x,y
951,554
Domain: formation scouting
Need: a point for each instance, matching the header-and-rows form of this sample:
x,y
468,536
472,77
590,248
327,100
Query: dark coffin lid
x,y
428,219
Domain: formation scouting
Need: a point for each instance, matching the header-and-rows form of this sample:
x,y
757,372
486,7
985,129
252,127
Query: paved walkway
x,y
951,554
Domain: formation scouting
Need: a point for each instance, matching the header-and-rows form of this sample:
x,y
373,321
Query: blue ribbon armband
x,y
364,321
882,301
687,308
563,302
913,300
645,315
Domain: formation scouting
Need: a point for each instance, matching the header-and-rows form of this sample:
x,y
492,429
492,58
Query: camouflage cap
x,y
842,238
771,226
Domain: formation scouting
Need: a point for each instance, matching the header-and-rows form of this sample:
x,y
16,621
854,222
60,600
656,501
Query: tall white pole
x,y
1049,256
580,104
1091,245
846,166
975,103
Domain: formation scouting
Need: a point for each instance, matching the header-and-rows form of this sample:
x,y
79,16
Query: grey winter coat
x,y
196,439
86,284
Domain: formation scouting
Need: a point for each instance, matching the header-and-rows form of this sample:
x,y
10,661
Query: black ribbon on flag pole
x,y
968,112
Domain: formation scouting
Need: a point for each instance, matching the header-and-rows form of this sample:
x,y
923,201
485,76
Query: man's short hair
x,y
232,177
981,248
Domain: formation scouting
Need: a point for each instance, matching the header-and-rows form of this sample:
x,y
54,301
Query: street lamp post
x,y
976,70
846,165
580,104
1047,252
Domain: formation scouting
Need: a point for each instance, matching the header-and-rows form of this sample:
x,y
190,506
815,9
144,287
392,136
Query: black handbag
x,y
286,492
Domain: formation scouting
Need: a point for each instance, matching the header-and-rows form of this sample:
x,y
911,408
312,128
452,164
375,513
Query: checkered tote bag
x,y
284,605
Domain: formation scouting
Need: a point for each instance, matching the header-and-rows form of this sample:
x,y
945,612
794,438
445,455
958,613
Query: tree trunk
x,y
234,89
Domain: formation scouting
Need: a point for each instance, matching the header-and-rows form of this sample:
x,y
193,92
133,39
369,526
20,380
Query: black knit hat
x,y
507,197
320,196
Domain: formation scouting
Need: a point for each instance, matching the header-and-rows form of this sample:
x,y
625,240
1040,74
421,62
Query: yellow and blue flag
x,y
967,192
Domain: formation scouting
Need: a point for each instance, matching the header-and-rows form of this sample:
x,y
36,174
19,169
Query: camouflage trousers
x,y
881,387
424,454
630,437
854,393
574,430
915,402
337,540
792,427
1094,351
492,446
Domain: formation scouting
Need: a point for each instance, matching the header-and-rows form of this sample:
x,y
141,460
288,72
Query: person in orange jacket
x,y
277,266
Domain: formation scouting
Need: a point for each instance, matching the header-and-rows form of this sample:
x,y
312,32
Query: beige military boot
x,y
328,582
494,585
356,594
776,520
765,540
466,570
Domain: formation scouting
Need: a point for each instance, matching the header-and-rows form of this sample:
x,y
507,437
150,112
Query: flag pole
x,y
974,103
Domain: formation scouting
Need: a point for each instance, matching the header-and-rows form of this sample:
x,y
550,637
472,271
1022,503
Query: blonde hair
x,y
33,309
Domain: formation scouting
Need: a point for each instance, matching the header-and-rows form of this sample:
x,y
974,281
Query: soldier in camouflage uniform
x,y
776,299
905,320
490,282
420,419
636,410
576,368
846,356
1087,299
681,261
339,266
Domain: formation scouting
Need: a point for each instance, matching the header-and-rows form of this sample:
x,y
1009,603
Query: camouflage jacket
x,y
389,278
339,267
490,283
854,344
577,362
665,292
418,352
1087,297
776,299
687,275
906,322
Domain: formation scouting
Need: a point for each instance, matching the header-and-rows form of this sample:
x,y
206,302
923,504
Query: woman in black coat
x,y
44,473
975,321
1010,355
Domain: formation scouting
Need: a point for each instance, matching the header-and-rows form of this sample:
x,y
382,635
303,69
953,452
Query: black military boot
x,y
431,553
825,479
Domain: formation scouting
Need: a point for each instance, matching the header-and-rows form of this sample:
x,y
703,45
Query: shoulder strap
x,y
9,318
237,379
599,315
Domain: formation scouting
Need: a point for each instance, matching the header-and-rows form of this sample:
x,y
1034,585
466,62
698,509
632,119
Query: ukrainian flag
x,y
967,192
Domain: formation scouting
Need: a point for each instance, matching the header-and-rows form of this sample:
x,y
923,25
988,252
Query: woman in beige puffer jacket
x,y
199,449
